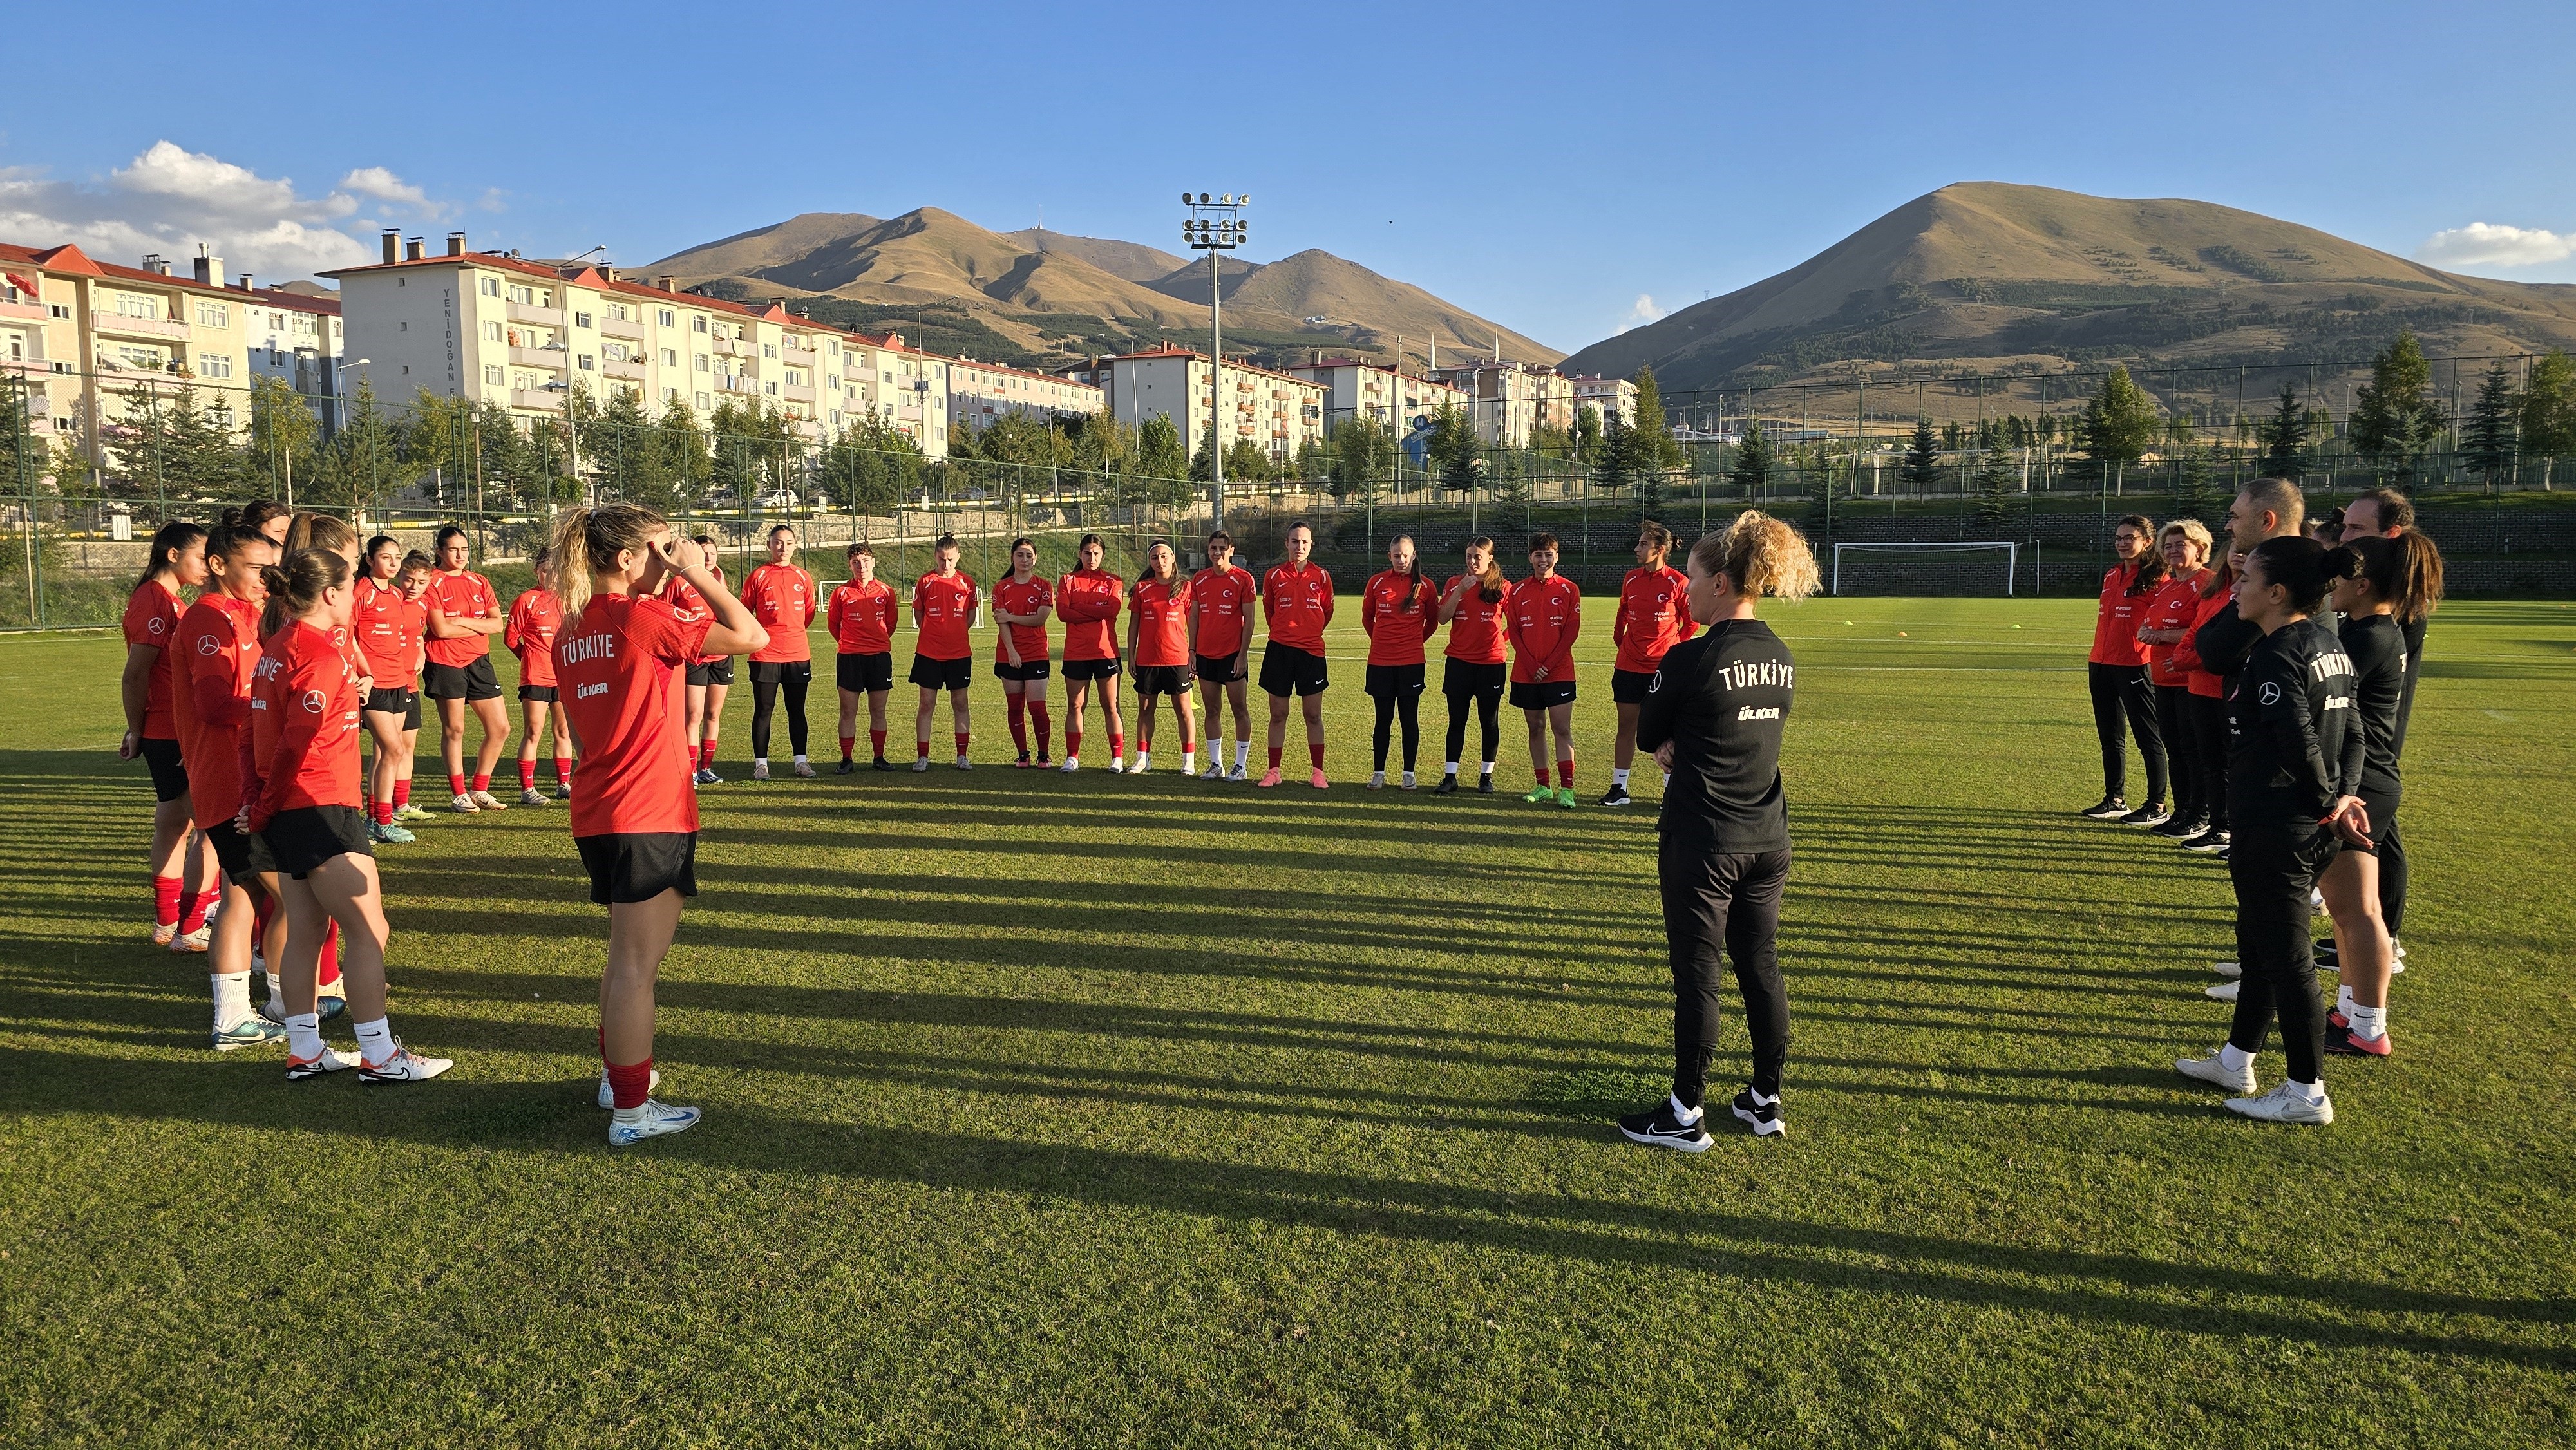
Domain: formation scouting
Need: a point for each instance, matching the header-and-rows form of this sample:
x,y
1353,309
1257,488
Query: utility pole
x,y
1215,227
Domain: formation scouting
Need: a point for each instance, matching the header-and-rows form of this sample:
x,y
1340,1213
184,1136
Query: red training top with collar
x,y
1222,600
1654,615
622,670
2115,626
1162,613
2204,683
210,697
1297,601
304,724
1476,630
781,597
1087,600
152,618
1015,595
862,617
377,622
530,634
461,596
2170,607
1398,612
1542,618
944,606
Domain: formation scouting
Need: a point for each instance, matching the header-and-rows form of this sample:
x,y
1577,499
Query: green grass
x,y
1096,1111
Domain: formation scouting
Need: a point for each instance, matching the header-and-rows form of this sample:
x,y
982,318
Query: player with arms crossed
x,y
1158,640
780,594
464,614
1087,600
1398,610
861,616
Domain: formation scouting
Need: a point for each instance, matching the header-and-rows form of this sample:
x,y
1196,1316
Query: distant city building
x,y
1355,389
1609,397
1508,401
1274,412
978,393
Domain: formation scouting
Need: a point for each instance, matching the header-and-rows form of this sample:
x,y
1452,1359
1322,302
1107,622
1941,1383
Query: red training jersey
x,y
941,609
1399,612
2202,682
1297,602
1162,617
2170,607
1222,600
691,606
303,724
1015,595
534,618
377,622
210,696
465,595
152,618
862,617
1087,601
2115,626
622,669
1654,615
781,597
1476,630
1542,618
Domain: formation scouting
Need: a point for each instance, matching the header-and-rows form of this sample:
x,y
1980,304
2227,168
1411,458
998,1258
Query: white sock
x,y
1619,778
2343,1000
2368,1023
1408,779
1143,759
1451,768
376,1040
2231,1059
2314,1091
800,757
761,760
1189,762
275,993
1682,1114
1489,767
232,998
1242,753
304,1034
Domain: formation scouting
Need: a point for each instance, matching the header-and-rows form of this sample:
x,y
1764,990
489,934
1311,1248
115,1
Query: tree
x,y
2284,437
2188,463
870,467
283,432
2395,421
168,444
1753,460
363,460
627,456
1994,487
2488,432
2549,411
1362,455
1158,450
1922,466
686,459
1584,443
1650,423
2118,424
1246,460
1452,450
1619,459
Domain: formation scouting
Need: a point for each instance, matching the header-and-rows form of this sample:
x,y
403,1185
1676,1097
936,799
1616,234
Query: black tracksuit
x,y
1722,699
2383,659
2297,748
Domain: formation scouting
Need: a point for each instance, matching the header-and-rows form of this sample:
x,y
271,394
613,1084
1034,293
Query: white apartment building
x,y
1356,389
978,393
1509,400
1272,411
504,330
79,337
1609,397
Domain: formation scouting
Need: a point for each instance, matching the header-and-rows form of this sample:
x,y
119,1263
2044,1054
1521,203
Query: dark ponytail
x,y
2305,568
1489,584
2406,571
171,538
297,584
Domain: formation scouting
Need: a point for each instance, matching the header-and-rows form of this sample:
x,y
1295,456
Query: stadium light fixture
x,y
1216,227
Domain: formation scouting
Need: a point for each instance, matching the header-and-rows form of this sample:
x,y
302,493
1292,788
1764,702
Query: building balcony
x,y
801,356
552,359
737,383
537,400
630,369
614,328
24,311
530,312
737,347
29,367
797,393
152,327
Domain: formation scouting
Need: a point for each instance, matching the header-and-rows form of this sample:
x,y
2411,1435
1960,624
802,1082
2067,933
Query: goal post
x,y
1971,567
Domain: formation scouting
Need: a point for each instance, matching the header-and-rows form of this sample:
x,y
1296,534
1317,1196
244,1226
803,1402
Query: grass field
x,y
1099,1111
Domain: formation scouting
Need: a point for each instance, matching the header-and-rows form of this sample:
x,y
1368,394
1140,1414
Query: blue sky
x,y
1565,169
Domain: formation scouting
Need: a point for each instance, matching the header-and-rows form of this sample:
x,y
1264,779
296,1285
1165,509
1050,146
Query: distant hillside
x,y
1996,276
1046,299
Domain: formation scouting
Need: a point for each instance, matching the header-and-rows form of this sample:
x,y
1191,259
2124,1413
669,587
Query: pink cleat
x,y
1318,781
1269,778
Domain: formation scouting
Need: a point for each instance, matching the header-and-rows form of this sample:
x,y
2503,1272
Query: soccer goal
x,y
1982,567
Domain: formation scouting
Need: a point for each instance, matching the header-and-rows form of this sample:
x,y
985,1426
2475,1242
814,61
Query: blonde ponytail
x,y
1762,555
586,540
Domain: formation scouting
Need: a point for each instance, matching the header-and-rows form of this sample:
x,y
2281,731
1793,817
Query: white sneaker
x,y
1215,771
2210,1069
464,806
532,797
2286,1103
1072,763
403,1066
608,1096
1408,780
1117,766
964,764
920,763
251,1031
2221,991
1144,763
760,770
488,801
634,1125
2230,970
1237,776
1376,780
332,1060
202,939
2396,957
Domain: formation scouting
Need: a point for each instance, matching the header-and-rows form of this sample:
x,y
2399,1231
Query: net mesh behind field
x,y
1970,570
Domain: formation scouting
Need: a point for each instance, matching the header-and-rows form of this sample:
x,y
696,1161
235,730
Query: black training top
x,y
2295,743
2414,664
2377,645
2224,641
1723,700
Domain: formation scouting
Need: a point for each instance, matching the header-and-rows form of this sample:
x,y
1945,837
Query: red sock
x,y
1274,757
482,780
706,752
961,742
1073,736
329,970
630,1084
921,750
1016,707
848,744
1038,715
1117,743
563,770
402,794
1565,774
876,742
384,813
192,910
527,775
1315,752
455,783
165,901
1541,772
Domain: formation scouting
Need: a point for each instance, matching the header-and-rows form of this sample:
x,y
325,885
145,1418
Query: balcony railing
x,y
530,312
737,347
542,399
631,369
614,328
797,393
553,359
24,311
152,327
801,356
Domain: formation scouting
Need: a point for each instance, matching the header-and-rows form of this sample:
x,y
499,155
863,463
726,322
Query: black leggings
x,y
2173,722
2207,745
1489,706
2123,690
1715,899
2274,870
2392,874
764,698
1405,705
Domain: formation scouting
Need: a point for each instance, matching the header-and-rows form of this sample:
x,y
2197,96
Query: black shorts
x,y
1393,682
1162,680
1024,671
632,866
864,674
1628,687
779,672
933,674
1090,669
712,672
2383,816
242,857
462,682
405,703
1287,670
538,694
1467,677
169,775
1541,694
302,839
1218,669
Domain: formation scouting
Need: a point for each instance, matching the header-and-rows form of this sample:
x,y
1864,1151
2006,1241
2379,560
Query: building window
x,y
772,390
667,318
670,396
700,324
214,365
768,349
213,314
491,332
702,362
490,287
617,312
670,357
702,402
146,358
581,319
523,295
492,376
129,305
584,362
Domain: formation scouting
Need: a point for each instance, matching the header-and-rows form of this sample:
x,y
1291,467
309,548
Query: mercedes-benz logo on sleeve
x,y
206,644
1656,683
2270,693
313,702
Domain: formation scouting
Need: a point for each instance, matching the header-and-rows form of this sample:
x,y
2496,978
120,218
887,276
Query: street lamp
x,y
1215,227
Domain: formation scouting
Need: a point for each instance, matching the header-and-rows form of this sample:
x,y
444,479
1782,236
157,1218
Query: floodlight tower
x,y
1215,227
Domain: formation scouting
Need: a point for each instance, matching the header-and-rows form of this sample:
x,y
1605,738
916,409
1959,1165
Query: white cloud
x,y
2484,244
170,200
1641,312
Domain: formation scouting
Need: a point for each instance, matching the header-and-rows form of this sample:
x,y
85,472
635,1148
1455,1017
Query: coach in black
x,y
1713,717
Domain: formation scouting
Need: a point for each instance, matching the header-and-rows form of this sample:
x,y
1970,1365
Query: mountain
x,y
1046,299
1997,277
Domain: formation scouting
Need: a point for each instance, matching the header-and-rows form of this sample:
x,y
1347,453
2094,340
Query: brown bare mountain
x,y
2002,277
1045,298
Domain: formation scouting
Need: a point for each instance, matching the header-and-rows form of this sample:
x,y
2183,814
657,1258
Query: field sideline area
x,y
1103,1111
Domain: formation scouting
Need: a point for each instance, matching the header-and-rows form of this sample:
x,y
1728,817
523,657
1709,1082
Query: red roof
x,y
70,260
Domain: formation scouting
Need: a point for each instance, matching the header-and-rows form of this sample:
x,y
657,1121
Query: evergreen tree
x,y
1620,450
2549,411
362,463
1158,450
2395,421
685,457
627,456
283,434
2118,423
2188,463
1753,459
1453,450
2489,430
2284,437
1248,461
1362,455
1994,489
1585,446
1651,424
1922,466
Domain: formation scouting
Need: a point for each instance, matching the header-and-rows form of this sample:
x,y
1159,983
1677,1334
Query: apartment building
x,y
1509,400
978,393
1608,397
522,335
79,338
1355,389
1274,412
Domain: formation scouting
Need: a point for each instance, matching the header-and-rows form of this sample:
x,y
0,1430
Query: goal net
x,y
1978,568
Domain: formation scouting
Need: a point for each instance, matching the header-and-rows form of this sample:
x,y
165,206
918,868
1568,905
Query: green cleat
x,y
1541,796
1565,797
